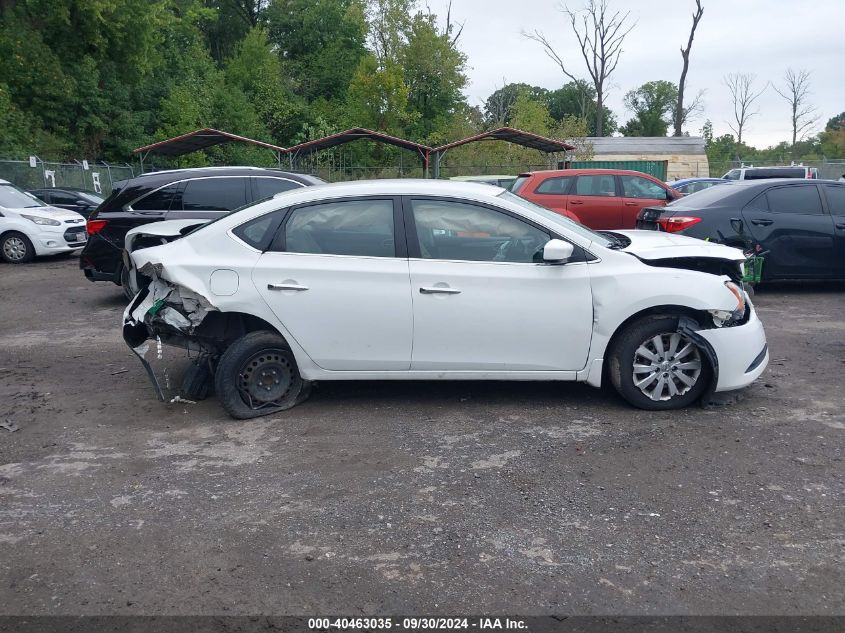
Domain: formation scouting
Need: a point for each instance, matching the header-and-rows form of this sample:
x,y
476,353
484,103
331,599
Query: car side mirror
x,y
669,195
557,251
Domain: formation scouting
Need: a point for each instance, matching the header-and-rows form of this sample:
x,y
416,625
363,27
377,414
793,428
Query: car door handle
x,y
298,287
576,202
439,290
630,204
762,222
840,225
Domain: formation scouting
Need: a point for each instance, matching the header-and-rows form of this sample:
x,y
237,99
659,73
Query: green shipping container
x,y
656,168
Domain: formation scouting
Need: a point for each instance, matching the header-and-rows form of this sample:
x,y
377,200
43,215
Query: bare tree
x,y
680,115
600,34
797,93
744,95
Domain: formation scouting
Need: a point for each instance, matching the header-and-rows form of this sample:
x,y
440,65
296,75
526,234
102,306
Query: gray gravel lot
x,y
437,498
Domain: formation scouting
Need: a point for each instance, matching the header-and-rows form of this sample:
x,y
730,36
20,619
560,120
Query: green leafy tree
x,y
320,42
498,106
653,106
378,98
578,99
433,72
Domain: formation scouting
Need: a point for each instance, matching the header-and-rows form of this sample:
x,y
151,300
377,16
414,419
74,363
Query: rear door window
x,y
158,200
214,194
555,186
802,200
835,199
362,228
268,187
603,185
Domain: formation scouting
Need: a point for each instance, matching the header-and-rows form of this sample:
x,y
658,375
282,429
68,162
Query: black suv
x,y
181,194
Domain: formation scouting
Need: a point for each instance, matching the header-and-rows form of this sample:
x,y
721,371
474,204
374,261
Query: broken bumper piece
x,y
164,312
741,350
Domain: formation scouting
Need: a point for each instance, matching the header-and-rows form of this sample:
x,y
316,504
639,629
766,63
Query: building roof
x,y
512,135
197,140
604,145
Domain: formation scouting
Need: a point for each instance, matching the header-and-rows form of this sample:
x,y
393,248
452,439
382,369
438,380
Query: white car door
x,y
338,280
483,301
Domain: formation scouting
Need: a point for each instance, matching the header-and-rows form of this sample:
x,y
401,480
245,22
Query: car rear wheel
x,y
15,248
655,367
257,375
124,284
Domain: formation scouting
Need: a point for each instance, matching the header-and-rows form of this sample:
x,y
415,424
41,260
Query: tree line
x,y
97,78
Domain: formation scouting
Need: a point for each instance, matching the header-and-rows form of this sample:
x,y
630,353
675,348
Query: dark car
x,y
798,224
181,194
80,200
693,185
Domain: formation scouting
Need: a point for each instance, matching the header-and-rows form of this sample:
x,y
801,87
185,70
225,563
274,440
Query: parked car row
x,y
262,272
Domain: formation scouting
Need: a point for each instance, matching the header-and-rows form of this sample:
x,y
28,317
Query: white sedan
x,y
30,228
433,280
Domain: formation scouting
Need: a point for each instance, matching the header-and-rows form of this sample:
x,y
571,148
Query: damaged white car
x,y
427,280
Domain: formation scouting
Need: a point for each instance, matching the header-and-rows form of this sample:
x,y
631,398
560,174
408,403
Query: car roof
x,y
171,175
79,189
585,172
684,181
399,187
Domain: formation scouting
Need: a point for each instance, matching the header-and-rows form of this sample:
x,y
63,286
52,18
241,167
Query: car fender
x,y
619,297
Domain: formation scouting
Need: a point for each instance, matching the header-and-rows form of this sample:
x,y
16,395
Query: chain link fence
x,y
37,174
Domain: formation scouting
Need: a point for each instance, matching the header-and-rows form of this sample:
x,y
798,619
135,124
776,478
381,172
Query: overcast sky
x,y
763,37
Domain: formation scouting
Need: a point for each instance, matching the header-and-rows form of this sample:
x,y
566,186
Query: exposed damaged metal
x,y
710,265
166,311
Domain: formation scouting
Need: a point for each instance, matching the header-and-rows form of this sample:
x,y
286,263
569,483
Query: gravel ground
x,y
428,498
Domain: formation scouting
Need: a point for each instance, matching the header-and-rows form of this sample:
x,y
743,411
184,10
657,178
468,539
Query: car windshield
x,y
562,220
13,198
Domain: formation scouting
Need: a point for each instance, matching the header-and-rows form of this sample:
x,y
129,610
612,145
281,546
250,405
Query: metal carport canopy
x,y
355,134
201,139
512,135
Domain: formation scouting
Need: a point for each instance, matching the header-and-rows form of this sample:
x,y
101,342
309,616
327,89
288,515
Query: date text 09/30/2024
x,y
416,624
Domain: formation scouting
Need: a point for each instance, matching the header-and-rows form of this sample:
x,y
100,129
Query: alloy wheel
x,y
666,365
14,248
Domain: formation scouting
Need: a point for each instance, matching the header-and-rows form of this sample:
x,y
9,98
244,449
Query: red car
x,y
597,198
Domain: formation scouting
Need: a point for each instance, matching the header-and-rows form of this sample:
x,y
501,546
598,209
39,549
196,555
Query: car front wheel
x,y
257,375
655,367
15,248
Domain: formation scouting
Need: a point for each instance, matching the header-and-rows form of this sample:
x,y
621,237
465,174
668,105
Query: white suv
x,y
30,228
761,173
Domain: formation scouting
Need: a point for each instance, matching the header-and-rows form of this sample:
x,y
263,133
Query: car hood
x,y
650,245
52,213
173,229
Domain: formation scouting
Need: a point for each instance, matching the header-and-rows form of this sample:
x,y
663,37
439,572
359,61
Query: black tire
x,y
256,362
636,340
15,248
124,283
198,381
